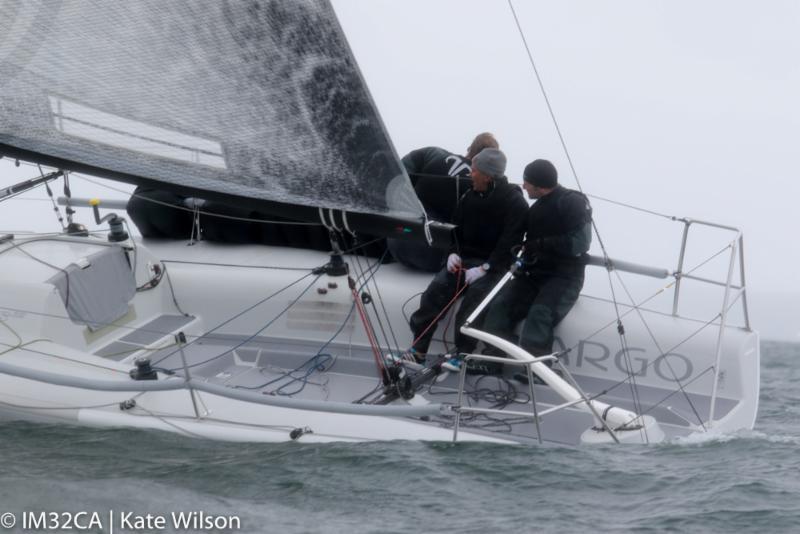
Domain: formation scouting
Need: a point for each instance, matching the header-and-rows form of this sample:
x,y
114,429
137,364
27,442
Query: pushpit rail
x,y
732,292
737,250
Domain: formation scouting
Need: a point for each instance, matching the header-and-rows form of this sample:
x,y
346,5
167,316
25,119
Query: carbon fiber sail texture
x,y
257,99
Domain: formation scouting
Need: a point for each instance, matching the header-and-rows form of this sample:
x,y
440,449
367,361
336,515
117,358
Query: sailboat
x,y
261,105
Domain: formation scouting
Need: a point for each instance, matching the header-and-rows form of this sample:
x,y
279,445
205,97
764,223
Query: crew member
x,y
439,178
550,279
489,222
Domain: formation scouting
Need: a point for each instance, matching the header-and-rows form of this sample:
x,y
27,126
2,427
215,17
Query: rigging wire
x,y
637,307
196,211
50,194
81,407
375,310
544,94
18,246
316,362
614,386
460,278
172,291
636,208
68,195
403,307
317,365
238,265
626,352
358,303
620,327
250,337
246,310
25,348
369,273
443,310
310,366
386,314
659,349
134,249
381,368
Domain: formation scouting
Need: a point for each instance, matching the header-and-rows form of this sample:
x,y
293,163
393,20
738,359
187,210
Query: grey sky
x,y
684,108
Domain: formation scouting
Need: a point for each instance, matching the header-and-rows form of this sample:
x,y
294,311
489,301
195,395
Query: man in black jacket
x,y
439,178
488,219
550,279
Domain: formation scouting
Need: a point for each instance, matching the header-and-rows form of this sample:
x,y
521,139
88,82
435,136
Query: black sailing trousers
x,y
441,291
542,300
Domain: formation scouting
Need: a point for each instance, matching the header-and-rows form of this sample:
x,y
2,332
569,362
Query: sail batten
x,y
255,99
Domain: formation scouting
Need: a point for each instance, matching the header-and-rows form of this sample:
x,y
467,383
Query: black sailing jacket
x,y
559,232
490,223
439,196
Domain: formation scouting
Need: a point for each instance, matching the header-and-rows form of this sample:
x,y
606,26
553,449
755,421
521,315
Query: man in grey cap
x,y
489,219
440,177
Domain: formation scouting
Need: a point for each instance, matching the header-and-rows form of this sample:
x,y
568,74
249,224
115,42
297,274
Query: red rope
x,y
446,307
450,316
373,342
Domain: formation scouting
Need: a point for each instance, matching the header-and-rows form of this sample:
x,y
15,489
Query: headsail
x,y
258,99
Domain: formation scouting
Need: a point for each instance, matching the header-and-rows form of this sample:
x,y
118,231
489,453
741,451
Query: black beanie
x,y
541,173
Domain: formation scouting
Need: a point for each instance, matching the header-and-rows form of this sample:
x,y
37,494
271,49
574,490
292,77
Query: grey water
x,y
747,482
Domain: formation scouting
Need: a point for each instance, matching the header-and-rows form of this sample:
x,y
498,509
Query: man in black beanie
x,y
544,289
489,219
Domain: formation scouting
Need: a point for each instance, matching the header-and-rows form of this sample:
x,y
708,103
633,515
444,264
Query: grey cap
x,y
490,161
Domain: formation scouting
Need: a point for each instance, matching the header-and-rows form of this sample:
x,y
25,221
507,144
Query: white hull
x,y
39,337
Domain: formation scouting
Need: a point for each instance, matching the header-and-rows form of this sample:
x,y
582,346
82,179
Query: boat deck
x,y
346,374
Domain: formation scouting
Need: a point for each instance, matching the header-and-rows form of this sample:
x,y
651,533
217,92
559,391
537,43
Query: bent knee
x,y
540,314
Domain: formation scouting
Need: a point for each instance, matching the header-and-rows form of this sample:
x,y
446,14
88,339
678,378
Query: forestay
x,y
257,99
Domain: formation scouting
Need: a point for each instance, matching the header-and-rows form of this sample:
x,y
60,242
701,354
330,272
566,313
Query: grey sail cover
x,y
258,99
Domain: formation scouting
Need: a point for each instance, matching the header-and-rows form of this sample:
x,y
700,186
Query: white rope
x,y
347,225
333,220
323,221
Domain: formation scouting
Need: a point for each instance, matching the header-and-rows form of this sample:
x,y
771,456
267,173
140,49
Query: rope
x,y
18,246
636,308
375,308
459,279
172,292
252,336
637,208
661,356
623,339
544,94
658,347
53,200
236,316
212,264
436,319
191,210
368,329
386,314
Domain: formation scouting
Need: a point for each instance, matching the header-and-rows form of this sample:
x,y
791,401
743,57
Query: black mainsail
x,y
260,100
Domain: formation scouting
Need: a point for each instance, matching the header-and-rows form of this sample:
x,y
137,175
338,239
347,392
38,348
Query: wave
x,y
742,435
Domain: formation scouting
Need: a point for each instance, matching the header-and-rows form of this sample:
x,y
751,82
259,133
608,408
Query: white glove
x,y
453,262
473,274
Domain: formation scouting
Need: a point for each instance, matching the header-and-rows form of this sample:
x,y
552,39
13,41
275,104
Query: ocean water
x,y
748,482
